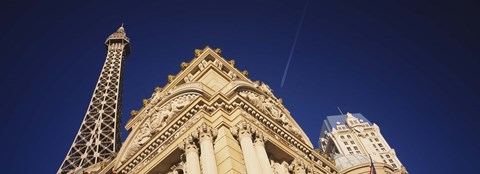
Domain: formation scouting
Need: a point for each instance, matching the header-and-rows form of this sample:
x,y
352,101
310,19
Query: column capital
x,y
243,129
260,139
205,132
189,145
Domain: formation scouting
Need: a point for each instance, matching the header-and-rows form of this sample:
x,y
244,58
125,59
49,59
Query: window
x,y
383,149
355,147
349,149
346,143
388,156
370,140
380,145
358,152
351,153
351,142
394,166
376,139
373,134
390,160
348,136
342,137
381,156
374,146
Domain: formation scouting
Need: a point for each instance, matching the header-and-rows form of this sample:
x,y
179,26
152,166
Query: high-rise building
x,y
209,118
98,138
352,136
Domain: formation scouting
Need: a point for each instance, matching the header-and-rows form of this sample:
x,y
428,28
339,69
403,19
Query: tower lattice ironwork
x,y
98,138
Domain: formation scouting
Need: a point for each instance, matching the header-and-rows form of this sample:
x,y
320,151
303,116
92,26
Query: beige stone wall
x,y
228,153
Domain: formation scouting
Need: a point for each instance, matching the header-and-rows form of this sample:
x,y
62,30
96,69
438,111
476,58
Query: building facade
x,y
354,135
209,118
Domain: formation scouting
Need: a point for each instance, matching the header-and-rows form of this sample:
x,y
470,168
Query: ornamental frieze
x,y
272,108
156,119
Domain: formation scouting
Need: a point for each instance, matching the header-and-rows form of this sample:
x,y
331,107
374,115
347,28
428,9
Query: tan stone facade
x,y
210,118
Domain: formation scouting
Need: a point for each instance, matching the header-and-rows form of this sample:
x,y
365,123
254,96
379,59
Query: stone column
x,y
243,131
206,135
261,152
191,153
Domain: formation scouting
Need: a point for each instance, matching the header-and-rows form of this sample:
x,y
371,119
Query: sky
x,y
410,66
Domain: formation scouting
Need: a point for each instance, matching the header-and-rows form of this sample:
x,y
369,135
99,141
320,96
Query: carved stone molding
x,y
279,167
184,65
297,166
198,52
218,51
172,133
271,107
157,118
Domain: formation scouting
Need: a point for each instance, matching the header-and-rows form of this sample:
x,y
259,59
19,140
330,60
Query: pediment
x,y
207,67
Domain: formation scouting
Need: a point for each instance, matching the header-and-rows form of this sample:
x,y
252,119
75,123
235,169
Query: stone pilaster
x,y
244,131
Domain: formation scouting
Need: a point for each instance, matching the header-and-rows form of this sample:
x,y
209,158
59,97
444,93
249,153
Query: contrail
x,y
294,43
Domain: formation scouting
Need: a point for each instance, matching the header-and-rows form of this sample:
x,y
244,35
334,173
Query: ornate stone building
x,y
211,118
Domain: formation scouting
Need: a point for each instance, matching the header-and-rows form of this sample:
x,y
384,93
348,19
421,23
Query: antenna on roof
x,y
340,110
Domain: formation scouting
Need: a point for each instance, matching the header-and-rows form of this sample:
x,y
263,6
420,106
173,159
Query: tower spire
x,y
98,138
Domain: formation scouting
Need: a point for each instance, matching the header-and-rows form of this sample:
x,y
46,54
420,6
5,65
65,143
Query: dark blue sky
x,y
410,66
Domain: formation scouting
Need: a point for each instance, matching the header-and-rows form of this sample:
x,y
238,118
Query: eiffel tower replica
x,y
98,138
